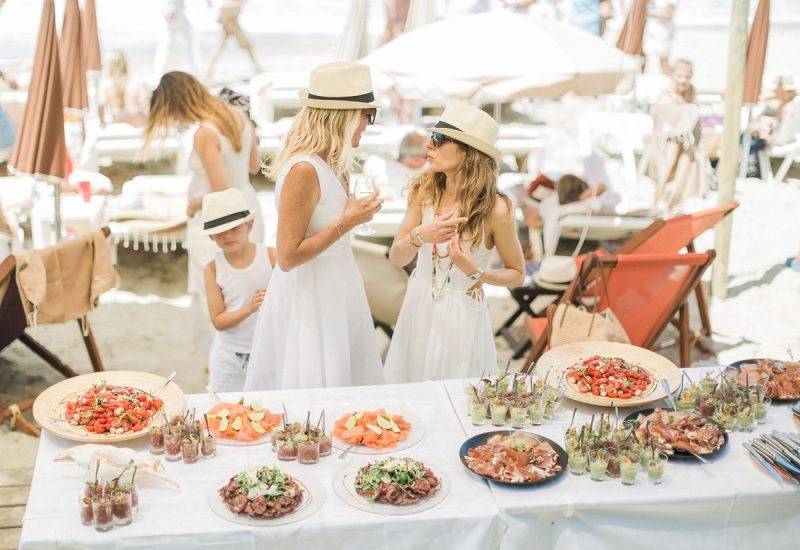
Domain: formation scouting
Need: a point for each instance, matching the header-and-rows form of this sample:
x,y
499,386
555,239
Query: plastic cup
x,y
628,468
761,409
498,408
477,412
655,466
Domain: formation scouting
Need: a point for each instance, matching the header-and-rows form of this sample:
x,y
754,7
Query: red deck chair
x,y
645,291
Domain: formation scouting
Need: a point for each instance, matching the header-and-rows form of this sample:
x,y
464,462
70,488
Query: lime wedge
x,y
256,416
257,427
237,424
223,424
375,429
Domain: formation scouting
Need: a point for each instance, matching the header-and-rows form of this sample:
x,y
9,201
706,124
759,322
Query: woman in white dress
x,y
316,329
224,152
454,221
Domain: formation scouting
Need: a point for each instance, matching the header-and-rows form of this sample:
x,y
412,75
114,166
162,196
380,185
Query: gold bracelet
x,y
416,234
338,232
411,240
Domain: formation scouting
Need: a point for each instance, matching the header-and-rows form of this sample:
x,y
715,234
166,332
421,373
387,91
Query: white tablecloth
x,y
729,503
182,519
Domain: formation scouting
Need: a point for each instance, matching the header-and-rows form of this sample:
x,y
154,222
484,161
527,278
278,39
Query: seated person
x,y
391,176
595,191
120,99
780,123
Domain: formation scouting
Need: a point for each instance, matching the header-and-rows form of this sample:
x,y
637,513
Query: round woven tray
x,y
558,360
49,407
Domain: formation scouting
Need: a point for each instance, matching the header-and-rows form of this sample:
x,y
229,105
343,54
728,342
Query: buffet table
x,y
729,503
170,518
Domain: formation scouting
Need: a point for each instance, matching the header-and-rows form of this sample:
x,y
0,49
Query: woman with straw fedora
x,y
455,220
316,329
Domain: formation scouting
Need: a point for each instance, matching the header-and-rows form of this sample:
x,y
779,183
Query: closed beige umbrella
x,y
73,61
91,38
756,53
40,150
632,35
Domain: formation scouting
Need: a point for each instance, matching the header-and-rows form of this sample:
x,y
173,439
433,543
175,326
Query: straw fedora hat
x,y
224,210
469,125
339,85
555,272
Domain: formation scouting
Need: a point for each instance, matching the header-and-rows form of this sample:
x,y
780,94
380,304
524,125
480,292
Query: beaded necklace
x,y
443,263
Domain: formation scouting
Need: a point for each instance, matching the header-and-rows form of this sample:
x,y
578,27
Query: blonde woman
x,y
455,220
120,99
316,329
224,152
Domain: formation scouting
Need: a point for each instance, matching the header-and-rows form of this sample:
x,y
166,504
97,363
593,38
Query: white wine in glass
x,y
362,188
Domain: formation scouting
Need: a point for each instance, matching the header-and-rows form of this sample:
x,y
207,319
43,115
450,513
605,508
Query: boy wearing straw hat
x,y
236,281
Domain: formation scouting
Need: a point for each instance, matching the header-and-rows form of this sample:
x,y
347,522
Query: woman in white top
x,y
659,31
236,281
454,221
224,153
315,330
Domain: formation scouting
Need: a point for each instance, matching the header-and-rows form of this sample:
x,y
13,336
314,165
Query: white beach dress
x,y
315,328
450,337
200,247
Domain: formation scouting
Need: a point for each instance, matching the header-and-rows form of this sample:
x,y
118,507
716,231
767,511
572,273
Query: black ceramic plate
x,y
738,364
480,439
683,455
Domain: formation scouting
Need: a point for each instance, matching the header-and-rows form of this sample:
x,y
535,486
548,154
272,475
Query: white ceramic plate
x,y
344,487
313,499
415,435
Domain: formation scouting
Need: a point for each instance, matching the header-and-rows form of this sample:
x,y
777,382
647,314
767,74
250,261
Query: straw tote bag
x,y
573,323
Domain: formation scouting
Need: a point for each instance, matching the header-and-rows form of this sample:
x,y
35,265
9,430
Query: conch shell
x,y
111,457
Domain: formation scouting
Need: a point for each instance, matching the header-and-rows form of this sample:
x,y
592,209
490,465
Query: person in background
x,y
235,281
676,160
391,176
316,330
120,99
175,40
585,14
780,123
224,152
8,132
455,220
228,17
659,31
396,16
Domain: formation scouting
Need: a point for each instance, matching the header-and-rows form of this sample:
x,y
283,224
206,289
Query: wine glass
x,y
363,187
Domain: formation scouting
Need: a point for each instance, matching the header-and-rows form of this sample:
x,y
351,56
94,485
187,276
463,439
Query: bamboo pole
x,y
734,92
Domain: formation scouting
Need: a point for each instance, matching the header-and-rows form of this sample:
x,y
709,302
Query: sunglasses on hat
x,y
440,139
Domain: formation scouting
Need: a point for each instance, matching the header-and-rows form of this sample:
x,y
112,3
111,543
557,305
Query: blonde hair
x,y
116,68
326,132
476,197
180,97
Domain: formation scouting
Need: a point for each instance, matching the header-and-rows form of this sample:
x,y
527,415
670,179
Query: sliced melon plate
x,y
375,429
237,423
257,427
256,416
223,424
351,422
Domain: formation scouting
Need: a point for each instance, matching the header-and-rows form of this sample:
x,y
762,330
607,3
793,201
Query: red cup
x,y
85,189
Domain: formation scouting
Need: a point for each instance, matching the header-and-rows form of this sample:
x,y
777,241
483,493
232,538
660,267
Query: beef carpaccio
x,y
684,431
783,377
515,458
397,481
265,493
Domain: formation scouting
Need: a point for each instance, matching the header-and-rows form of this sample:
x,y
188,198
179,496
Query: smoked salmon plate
x,y
242,423
376,429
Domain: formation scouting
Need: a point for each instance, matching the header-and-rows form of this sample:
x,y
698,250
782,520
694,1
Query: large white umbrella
x,y
499,56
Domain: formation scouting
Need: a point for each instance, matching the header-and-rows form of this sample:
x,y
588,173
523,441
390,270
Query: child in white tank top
x,y
236,282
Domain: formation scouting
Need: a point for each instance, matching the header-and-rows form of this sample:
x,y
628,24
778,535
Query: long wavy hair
x,y
181,98
327,132
476,196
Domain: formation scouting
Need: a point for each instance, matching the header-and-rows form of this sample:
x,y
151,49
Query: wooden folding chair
x,y
13,323
645,291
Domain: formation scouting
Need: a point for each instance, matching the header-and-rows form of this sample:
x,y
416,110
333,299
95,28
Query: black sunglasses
x,y
440,139
370,114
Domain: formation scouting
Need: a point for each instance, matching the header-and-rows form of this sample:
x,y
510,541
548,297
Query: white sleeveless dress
x,y
449,336
315,328
200,248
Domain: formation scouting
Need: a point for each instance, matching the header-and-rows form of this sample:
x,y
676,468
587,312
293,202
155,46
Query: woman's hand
x,y
441,229
461,256
358,211
193,206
